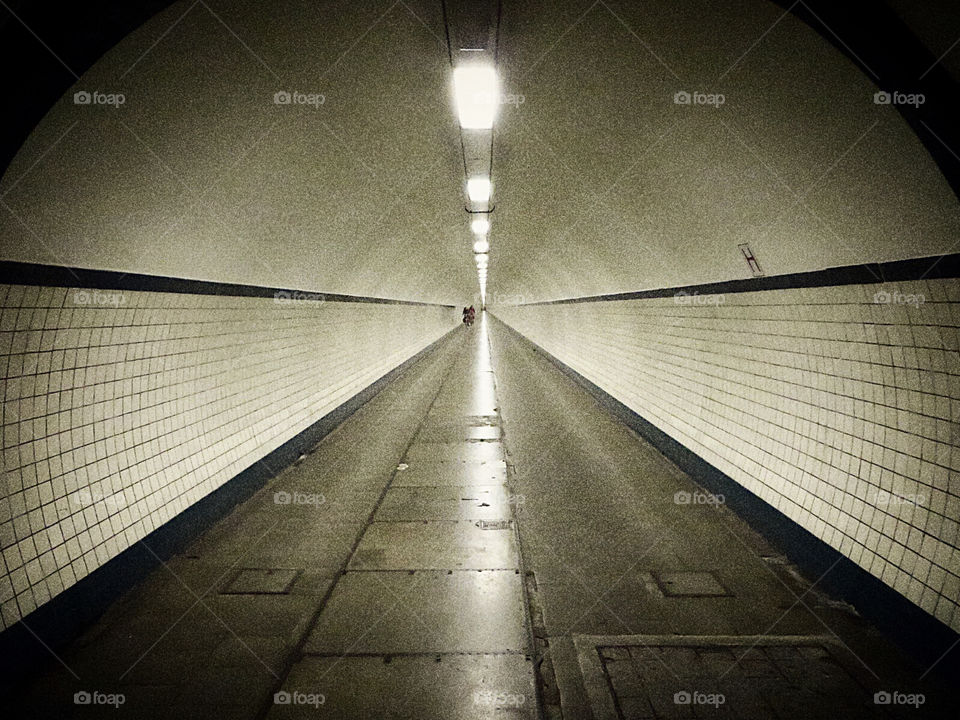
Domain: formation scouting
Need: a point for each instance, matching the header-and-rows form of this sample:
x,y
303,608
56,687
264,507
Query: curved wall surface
x,y
122,409
839,406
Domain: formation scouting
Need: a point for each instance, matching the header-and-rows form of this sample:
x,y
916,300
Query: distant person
x,y
466,316
472,314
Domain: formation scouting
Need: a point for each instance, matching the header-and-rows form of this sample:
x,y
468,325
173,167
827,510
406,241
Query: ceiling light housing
x,y
480,226
477,94
478,189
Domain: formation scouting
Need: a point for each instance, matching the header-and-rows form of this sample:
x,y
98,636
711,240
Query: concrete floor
x,y
480,540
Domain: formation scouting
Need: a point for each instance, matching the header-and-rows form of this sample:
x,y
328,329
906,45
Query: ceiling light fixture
x,y
478,189
480,226
481,246
477,96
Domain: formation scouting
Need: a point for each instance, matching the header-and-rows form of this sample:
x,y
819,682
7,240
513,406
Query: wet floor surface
x,y
480,540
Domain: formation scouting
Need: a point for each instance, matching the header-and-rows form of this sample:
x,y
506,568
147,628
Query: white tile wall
x,y
838,406
120,410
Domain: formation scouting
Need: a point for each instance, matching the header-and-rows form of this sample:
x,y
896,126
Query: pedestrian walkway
x,y
480,540
429,619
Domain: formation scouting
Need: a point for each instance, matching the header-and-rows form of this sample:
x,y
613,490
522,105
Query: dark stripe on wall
x,y
917,632
18,273
927,268
64,617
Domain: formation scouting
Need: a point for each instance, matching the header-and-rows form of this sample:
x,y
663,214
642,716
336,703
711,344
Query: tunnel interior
x,y
435,358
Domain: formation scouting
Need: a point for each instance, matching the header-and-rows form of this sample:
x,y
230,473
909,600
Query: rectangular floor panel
x,y
314,546
448,687
428,611
455,431
479,397
449,502
446,413
435,546
457,452
424,473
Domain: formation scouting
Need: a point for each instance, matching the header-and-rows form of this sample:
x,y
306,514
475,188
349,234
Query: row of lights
x,y
477,97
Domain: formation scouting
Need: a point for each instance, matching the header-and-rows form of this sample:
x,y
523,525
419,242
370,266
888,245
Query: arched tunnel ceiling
x,y
602,183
